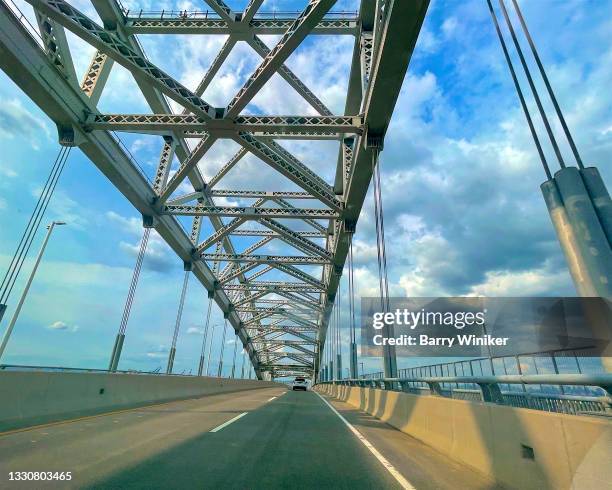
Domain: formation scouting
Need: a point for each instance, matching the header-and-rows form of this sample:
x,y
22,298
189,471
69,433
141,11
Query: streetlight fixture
x,y
9,329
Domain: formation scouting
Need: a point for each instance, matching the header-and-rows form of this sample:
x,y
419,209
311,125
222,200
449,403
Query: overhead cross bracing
x,y
287,245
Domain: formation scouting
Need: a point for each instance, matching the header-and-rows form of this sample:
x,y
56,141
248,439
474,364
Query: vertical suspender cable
x,y
389,358
234,361
380,235
130,298
10,277
536,97
339,329
220,370
12,271
177,324
534,135
204,338
353,336
243,360
118,346
566,130
332,348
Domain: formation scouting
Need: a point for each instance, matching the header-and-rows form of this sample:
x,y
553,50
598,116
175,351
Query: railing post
x,y
491,393
435,388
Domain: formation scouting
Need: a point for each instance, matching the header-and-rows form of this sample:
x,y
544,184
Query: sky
x,y
460,178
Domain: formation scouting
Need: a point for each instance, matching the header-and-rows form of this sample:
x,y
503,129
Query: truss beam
x,y
259,27
283,162
274,286
249,212
168,123
266,259
291,39
72,19
256,233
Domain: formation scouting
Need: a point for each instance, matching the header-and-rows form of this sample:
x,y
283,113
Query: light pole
x,y
9,329
222,348
362,373
212,337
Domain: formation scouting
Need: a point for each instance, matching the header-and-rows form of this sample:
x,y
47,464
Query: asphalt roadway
x,y
277,439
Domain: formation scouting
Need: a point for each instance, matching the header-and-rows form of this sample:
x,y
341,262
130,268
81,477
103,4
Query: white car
x,y
299,383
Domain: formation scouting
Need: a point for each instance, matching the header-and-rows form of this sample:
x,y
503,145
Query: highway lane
x,y
426,468
278,439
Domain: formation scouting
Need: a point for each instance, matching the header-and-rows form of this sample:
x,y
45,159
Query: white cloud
x,y
160,352
59,325
158,257
449,26
535,282
17,121
8,172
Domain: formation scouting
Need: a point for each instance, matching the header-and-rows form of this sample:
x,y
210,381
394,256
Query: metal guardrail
x,y
54,369
489,390
558,361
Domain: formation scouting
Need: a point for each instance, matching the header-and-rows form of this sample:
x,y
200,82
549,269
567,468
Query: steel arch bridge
x,y
281,323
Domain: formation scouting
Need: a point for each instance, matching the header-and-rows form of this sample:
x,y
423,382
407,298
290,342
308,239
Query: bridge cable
x,y
338,329
177,324
235,350
222,349
118,346
351,281
27,238
204,337
380,234
551,93
135,275
328,343
517,86
243,360
534,91
333,341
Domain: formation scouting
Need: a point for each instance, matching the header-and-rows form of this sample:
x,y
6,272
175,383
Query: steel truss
x,y
269,316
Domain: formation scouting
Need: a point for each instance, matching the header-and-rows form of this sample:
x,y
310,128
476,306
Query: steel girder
x,y
385,33
146,24
250,212
272,125
395,26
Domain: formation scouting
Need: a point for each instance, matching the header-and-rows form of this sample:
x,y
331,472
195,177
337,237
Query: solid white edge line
x,y
225,424
390,468
273,398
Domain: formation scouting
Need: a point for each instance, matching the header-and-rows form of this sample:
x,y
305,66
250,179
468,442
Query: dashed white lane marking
x,y
225,424
390,468
273,398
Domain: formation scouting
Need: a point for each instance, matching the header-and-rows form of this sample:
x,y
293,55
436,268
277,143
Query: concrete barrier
x,y
33,397
519,448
